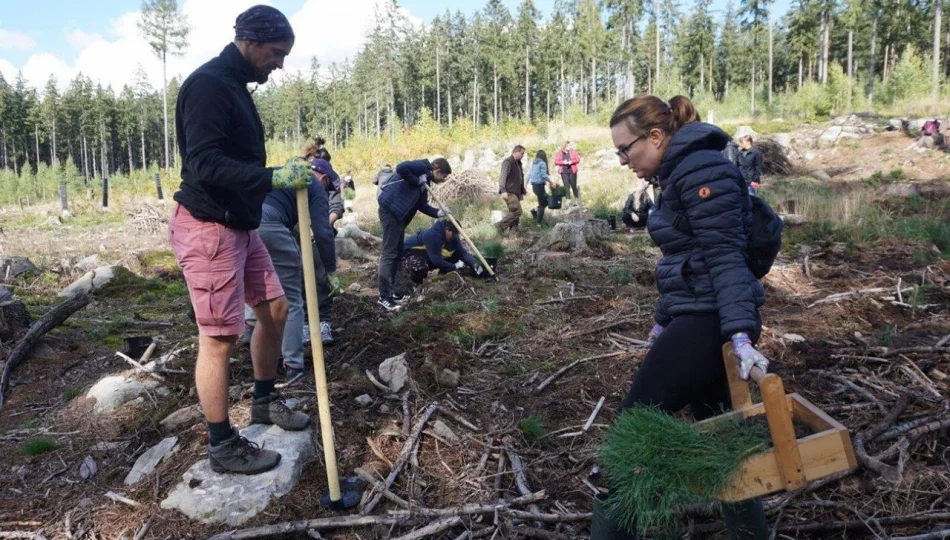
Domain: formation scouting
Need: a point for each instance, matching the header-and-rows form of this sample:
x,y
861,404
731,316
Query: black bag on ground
x,y
554,202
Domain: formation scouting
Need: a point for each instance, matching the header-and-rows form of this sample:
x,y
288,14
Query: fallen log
x,y
44,324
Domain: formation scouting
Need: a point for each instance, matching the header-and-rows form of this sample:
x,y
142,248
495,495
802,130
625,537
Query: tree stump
x,y
13,266
13,319
573,236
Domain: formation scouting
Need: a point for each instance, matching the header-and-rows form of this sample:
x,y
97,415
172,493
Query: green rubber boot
x,y
745,520
604,528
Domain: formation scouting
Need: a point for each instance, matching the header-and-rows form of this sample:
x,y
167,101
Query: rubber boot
x,y
602,527
745,520
540,214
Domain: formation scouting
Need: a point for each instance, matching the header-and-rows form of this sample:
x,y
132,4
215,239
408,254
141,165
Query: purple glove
x,y
654,334
747,355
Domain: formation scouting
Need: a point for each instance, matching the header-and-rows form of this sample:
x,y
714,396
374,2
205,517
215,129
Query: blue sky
x,y
53,36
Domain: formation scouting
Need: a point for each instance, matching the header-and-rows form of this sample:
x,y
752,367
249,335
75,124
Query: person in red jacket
x,y
567,160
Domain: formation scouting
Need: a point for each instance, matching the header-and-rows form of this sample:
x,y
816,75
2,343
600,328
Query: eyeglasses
x,y
622,152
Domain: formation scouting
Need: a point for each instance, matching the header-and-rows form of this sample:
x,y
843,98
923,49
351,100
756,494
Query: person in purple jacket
x,y
399,200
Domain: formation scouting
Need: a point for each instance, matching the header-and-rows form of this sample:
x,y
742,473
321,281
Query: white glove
x,y
441,213
747,355
478,269
459,265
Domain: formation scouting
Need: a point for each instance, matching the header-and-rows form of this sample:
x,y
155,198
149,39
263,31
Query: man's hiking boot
x,y
389,304
602,527
238,455
272,410
326,333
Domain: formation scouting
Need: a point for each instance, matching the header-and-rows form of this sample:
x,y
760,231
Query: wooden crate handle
x,y
777,413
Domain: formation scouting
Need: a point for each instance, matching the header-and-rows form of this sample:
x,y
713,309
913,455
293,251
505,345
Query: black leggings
x,y
570,182
685,367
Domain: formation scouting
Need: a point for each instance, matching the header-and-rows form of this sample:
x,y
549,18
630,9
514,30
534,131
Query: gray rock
x,y
443,431
354,287
146,463
830,137
181,418
794,338
395,372
449,378
901,190
364,401
87,264
468,162
793,219
926,142
232,499
88,468
12,266
821,175
347,249
784,140
114,391
43,351
385,409
487,161
809,156
894,124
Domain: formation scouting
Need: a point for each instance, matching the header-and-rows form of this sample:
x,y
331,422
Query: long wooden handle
x,y
316,344
464,236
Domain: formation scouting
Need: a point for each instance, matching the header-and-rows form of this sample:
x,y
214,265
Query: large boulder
x,y
487,161
784,140
903,190
233,499
352,230
348,249
395,372
114,391
468,162
833,134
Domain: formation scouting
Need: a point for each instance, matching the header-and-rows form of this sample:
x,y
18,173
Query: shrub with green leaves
x,y
656,463
621,275
601,212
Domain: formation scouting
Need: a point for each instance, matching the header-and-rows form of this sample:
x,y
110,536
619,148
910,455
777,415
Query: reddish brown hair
x,y
644,113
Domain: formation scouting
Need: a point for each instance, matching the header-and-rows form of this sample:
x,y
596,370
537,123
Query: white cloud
x,y
15,40
332,31
8,70
78,39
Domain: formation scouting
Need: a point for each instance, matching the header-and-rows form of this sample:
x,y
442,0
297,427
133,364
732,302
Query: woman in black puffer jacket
x,y
708,295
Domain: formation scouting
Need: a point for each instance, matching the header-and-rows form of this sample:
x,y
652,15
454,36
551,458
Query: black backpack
x,y
765,243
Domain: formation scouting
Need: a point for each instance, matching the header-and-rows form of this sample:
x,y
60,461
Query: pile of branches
x,y
468,186
149,220
774,158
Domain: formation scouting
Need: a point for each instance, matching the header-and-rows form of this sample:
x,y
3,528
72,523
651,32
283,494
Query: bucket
x,y
135,346
493,264
613,222
554,202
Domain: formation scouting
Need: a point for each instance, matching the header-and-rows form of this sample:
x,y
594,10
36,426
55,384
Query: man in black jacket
x,y
213,231
750,163
511,188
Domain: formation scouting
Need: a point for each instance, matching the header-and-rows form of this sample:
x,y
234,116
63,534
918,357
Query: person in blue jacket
x,y
708,294
279,218
539,178
399,200
437,248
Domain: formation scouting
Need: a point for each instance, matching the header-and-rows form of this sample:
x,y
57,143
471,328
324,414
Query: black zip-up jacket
x,y
221,141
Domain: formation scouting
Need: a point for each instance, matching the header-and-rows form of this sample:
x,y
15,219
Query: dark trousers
x,y
511,219
393,236
685,367
570,182
542,196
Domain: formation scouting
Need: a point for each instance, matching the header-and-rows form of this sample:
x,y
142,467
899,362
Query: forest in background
x,y
496,72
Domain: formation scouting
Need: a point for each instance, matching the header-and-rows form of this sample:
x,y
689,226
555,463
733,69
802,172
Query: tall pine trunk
x,y
563,104
656,80
165,111
770,60
527,83
877,15
52,157
850,65
593,84
495,80
128,142
438,86
800,62
935,91
142,135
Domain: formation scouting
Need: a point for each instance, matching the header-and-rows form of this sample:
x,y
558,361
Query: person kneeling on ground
x,y
213,232
436,248
399,200
511,188
638,207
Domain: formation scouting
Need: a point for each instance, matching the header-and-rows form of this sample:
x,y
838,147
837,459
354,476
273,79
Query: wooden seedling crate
x,y
791,463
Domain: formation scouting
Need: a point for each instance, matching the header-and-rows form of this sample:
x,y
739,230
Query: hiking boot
x,y
534,213
326,333
240,456
292,373
389,304
272,410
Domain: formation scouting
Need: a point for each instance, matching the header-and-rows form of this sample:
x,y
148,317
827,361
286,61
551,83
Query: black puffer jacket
x,y
706,271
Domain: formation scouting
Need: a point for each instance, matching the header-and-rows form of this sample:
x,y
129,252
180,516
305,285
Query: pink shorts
x,y
224,268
